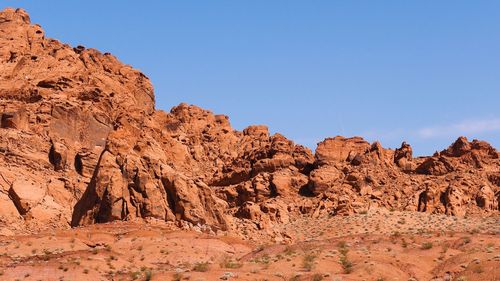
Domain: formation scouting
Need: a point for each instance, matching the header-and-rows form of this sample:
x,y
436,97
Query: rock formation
x,y
82,143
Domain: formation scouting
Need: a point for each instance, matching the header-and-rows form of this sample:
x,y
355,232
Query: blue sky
x,y
421,71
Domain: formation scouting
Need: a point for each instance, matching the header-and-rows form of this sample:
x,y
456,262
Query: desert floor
x,y
379,245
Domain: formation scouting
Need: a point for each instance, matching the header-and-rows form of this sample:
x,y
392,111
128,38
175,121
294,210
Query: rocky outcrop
x,y
340,149
455,181
26,195
58,105
403,157
82,143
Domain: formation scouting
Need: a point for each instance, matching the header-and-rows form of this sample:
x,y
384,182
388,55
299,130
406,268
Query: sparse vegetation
x,y
404,244
490,248
227,262
288,251
359,255
94,179
317,277
264,259
135,275
346,264
474,231
308,262
427,246
177,276
444,248
201,267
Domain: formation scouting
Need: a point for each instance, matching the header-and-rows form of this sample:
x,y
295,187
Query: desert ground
x,y
378,245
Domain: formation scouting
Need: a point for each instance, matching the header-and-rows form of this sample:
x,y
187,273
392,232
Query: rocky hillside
x,y
81,143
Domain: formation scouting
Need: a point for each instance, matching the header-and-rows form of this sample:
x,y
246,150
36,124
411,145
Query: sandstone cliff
x,y
82,143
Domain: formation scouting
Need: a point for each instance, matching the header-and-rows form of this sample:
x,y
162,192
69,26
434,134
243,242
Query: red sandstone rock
x,y
81,143
339,149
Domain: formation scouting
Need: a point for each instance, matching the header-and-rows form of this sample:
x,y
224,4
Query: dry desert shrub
x,y
227,262
317,277
344,260
308,262
427,246
201,267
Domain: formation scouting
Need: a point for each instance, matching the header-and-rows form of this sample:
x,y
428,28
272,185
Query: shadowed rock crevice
x,y
89,198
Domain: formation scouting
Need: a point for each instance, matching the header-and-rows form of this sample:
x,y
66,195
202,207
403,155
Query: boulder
x,y
8,210
436,166
26,194
288,183
14,120
403,157
324,178
339,149
485,198
455,199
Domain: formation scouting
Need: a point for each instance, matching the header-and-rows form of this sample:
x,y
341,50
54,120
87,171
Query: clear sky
x,y
421,71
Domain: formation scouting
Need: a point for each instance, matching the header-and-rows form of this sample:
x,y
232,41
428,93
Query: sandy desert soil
x,y
378,245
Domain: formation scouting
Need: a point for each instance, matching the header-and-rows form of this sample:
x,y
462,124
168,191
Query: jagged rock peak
x,y
18,16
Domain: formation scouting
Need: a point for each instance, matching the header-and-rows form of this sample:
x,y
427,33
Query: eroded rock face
x,y
324,179
81,143
403,157
26,195
57,106
340,149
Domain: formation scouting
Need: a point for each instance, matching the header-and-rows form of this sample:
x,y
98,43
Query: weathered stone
x,y
26,195
338,149
82,126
